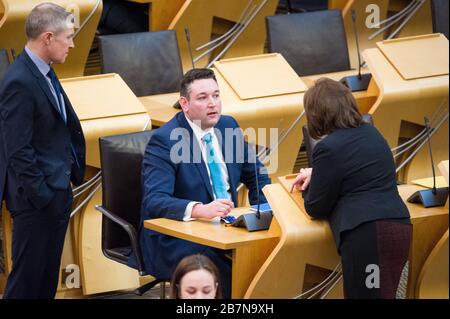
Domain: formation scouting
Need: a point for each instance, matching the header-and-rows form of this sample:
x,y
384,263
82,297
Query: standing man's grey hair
x,y
47,17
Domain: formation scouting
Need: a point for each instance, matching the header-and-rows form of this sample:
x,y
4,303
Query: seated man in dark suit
x,y
191,169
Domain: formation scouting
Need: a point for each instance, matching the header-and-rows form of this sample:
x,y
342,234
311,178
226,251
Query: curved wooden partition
x,y
302,242
433,278
401,105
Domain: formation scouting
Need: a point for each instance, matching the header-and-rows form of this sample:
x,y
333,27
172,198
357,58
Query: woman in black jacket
x,y
352,183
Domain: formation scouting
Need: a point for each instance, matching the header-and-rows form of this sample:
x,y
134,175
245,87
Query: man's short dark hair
x,y
191,76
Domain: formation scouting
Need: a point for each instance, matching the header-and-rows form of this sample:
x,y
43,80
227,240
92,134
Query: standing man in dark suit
x,y
44,151
191,169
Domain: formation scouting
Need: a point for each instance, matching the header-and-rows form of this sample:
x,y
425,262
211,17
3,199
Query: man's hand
x,y
302,180
220,207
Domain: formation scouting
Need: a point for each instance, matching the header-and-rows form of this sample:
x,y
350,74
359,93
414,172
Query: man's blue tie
x,y
57,87
217,178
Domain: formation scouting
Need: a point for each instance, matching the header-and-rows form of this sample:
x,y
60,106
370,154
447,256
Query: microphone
x,y
258,220
430,197
188,40
358,82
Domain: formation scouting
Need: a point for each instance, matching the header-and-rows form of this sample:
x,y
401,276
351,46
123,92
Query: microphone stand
x,y
188,40
255,221
430,197
358,82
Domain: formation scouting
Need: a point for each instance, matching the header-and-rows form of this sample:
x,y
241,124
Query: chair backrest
x,y
439,13
4,63
311,42
310,142
121,158
149,62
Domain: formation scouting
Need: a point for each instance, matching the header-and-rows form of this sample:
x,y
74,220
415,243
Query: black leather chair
x,y
311,42
149,62
439,12
121,158
4,63
310,142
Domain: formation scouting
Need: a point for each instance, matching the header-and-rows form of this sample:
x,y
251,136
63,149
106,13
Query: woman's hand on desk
x,y
219,207
302,180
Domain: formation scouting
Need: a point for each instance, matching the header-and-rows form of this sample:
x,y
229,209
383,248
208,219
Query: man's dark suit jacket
x,y
36,156
353,180
168,187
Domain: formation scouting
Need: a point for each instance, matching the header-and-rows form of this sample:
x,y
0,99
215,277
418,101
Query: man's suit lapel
x,y
195,152
41,80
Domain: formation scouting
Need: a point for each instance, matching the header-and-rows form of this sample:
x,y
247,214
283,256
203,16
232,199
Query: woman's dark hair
x,y
329,105
191,263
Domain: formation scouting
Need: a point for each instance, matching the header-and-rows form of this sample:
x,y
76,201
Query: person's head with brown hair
x,y
329,105
196,277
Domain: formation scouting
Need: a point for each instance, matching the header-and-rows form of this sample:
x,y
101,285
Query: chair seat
x,y
120,254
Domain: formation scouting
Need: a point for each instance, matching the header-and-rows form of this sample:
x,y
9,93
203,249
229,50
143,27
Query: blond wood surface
x,y
433,278
206,17
7,239
302,242
212,233
100,96
402,104
296,195
429,225
443,168
420,24
12,35
346,6
417,57
105,106
428,182
260,76
249,250
160,107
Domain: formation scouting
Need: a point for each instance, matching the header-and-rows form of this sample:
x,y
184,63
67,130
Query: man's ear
x,y
45,36
184,103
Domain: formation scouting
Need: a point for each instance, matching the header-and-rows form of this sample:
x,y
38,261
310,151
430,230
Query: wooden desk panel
x,y
249,250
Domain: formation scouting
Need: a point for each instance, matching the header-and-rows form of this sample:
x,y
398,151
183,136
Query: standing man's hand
x,y
219,207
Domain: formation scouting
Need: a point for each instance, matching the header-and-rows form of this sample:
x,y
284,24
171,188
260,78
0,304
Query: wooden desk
x,y
272,264
400,107
249,250
429,225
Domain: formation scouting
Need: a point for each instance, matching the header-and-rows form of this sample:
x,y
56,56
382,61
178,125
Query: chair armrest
x,y
132,234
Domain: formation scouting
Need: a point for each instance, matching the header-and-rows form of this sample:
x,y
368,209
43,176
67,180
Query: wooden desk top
x,y
390,81
211,233
417,210
159,107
